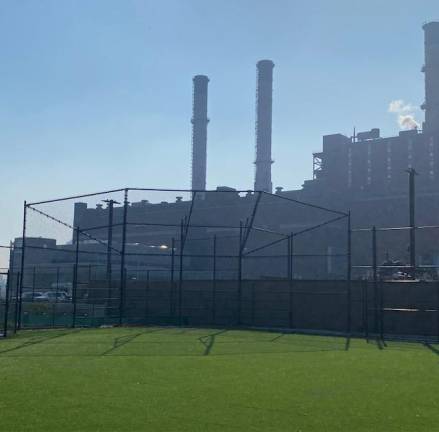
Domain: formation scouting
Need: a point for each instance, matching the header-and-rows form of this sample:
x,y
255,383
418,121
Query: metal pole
x,y
12,257
23,248
249,225
17,290
56,297
253,303
349,275
109,237
240,272
366,309
291,294
110,244
122,259
171,292
437,313
75,277
375,277
381,310
146,297
11,277
33,282
180,278
214,282
5,324
412,223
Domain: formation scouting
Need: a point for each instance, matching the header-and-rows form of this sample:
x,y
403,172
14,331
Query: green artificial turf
x,y
172,379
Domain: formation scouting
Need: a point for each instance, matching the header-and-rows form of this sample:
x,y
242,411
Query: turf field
x,y
172,379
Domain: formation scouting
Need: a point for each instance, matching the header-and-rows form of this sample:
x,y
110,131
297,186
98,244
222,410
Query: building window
x,y
431,157
369,164
389,161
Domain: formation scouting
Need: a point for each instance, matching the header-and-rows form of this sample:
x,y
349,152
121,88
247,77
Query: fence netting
x,y
220,258
136,256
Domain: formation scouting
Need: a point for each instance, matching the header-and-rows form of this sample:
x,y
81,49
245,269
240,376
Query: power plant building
x,y
365,173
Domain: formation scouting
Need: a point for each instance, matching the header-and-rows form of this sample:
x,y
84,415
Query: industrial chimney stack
x,y
431,69
264,101
199,132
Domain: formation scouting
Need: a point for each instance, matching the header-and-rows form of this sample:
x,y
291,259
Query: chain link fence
x,y
139,256
216,258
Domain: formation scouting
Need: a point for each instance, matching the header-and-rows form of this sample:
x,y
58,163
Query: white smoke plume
x,y
407,122
406,114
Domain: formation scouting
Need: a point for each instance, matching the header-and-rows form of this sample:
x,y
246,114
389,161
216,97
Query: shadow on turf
x,y
209,340
241,345
34,341
166,348
432,348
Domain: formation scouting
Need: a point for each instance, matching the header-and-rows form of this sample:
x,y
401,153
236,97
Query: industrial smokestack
x,y
431,69
199,132
264,102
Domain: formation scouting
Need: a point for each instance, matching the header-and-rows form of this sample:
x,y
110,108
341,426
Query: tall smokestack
x,y
431,69
264,102
199,132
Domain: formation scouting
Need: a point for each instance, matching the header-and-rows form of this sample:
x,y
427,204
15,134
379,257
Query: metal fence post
x,y
109,249
289,257
147,297
180,278
214,282
375,278
57,286
5,327
349,275
381,310
437,313
291,277
33,282
122,258
171,290
110,203
366,309
23,248
17,303
75,278
240,273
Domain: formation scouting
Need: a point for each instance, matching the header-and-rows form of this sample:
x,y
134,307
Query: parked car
x,y
30,296
53,297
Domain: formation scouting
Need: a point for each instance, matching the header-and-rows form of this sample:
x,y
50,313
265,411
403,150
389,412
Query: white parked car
x,y
53,297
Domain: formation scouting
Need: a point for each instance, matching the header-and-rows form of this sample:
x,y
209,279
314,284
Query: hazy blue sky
x,y
96,94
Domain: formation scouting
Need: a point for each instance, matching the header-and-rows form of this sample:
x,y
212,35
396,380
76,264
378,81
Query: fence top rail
x,y
73,197
420,266
308,204
401,228
193,191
